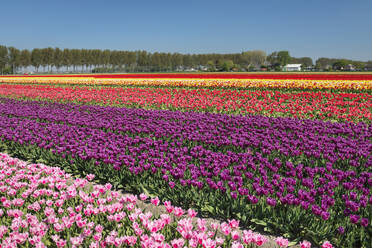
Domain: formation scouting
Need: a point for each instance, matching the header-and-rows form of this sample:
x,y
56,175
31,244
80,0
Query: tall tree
x,y
176,59
155,62
304,61
36,58
50,58
3,57
251,58
75,58
47,55
84,58
187,60
115,60
324,63
96,57
25,58
106,54
91,59
283,57
66,58
132,59
143,59
273,60
14,58
225,65
57,58
340,64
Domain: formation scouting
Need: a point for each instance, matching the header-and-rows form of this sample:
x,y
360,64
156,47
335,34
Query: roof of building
x,y
293,65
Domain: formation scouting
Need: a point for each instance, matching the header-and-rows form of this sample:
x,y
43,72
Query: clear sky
x,y
314,28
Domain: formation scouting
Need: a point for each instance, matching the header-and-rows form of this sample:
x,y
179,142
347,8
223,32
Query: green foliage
x,y
25,58
3,57
14,58
36,58
85,60
225,65
304,61
252,59
340,64
283,58
211,65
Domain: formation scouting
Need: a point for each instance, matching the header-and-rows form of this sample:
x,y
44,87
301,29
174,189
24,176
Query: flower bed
x,y
200,82
43,206
340,106
313,177
295,76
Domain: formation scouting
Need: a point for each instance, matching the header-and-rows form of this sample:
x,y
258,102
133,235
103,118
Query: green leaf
x,y
145,191
41,161
259,222
292,243
208,208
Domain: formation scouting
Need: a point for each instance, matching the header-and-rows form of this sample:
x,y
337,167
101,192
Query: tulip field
x,y
288,155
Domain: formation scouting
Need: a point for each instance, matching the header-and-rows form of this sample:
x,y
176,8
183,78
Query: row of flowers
x,y
337,106
297,76
200,82
307,168
43,206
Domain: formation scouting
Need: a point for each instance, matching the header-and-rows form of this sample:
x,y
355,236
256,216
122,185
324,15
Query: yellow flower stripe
x,y
228,83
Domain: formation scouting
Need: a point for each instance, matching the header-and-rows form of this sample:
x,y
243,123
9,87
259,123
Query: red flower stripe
x,y
353,107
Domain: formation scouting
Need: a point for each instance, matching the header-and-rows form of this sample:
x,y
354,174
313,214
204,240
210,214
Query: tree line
x,y
95,60
341,64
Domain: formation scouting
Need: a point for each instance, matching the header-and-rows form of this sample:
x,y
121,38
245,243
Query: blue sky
x,y
314,28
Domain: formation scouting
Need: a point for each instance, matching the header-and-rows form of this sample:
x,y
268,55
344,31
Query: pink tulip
x,y
225,228
143,197
327,244
235,235
208,243
155,201
259,239
233,223
192,213
220,241
90,177
178,243
305,244
97,236
282,242
108,186
236,245
178,211
166,218
3,230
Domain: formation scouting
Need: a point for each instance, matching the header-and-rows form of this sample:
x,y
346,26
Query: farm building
x,y
292,67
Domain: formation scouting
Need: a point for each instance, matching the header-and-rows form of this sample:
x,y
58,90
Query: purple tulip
x,y
271,201
341,230
354,218
364,222
325,215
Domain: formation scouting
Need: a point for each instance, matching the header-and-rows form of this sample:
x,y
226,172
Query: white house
x,y
292,67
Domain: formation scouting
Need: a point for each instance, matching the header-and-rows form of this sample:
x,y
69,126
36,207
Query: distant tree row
x,y
342,64
53,59
96,60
